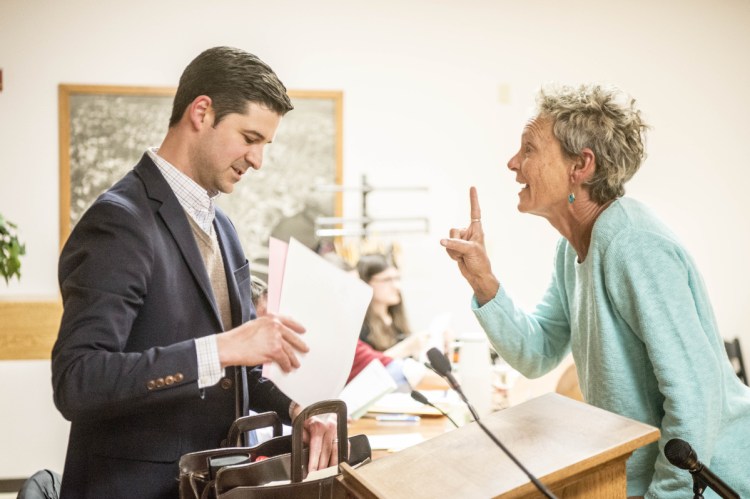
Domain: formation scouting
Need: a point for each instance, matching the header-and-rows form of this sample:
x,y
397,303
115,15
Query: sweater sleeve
x,y
363,355
534,343
654,286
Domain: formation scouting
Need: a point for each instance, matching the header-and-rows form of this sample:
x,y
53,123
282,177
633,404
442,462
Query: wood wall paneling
x,y
28,329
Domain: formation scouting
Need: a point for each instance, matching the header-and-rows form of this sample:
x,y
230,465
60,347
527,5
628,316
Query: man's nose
x,y
254,157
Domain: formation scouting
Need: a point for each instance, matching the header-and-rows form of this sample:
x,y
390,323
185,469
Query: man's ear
x,y
584,167
200,112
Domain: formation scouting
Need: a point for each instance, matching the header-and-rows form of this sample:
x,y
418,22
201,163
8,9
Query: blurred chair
x,y
568,384
735,357
44,484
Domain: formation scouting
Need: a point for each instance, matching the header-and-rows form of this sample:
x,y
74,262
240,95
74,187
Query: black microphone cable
x,y
419,397
443,367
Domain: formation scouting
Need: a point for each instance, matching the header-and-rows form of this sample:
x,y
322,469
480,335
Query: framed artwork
x,y
104,131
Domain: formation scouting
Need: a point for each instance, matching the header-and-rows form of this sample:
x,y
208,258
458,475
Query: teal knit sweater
x,y
637,318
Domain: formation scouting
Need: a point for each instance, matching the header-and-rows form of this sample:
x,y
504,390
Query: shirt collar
x,y
193,198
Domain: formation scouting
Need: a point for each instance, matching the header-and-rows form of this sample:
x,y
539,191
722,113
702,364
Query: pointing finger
x,y
476,212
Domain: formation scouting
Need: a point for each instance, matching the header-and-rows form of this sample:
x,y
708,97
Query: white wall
x,y
422,82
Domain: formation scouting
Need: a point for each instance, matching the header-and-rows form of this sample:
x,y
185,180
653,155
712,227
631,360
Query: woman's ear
x,y
584,166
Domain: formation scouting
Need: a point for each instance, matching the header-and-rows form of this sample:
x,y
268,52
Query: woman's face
x,y
544,170
386,287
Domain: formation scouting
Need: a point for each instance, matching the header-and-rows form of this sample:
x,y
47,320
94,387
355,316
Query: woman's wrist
x,y
486,289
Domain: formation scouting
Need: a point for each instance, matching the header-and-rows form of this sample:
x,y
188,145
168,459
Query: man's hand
x,y
270,338
320,432
466,247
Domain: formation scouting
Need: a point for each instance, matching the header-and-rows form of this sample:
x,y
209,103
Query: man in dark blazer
x,y
158,314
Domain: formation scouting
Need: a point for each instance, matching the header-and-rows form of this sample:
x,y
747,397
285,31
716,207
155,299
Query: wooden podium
x,y
576,450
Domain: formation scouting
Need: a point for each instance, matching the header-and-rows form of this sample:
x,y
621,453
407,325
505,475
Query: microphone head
x,y
441,364
419,397
679,453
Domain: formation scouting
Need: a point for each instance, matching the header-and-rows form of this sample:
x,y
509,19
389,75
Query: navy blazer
x,y
124,368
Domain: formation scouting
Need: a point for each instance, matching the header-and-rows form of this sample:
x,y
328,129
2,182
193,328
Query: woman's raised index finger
x,y
476,212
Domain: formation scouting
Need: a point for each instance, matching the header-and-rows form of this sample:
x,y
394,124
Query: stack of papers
x,y
395,442
367,387
330,304
402,403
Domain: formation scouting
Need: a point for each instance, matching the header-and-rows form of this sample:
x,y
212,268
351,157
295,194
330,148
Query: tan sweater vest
x,y
211,254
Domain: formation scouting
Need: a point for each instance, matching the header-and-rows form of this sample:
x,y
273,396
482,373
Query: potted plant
x,y
11,249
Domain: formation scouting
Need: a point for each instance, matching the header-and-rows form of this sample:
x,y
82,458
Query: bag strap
x,y
247,423
337,407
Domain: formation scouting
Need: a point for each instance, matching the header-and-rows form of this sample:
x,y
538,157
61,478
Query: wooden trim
x,y
11,485
28,329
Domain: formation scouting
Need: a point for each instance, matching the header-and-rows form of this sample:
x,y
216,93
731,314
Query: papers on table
x,y
402,403
366,388
331,304
394,442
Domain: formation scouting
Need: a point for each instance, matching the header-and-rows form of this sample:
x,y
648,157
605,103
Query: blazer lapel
x,y
222,225
175,219
229,268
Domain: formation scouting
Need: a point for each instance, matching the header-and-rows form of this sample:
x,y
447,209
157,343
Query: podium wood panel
x,y
576,450
28,329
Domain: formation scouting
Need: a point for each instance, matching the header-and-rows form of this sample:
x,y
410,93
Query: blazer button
x,y
151,384
226,383
169,380
178,377
159,382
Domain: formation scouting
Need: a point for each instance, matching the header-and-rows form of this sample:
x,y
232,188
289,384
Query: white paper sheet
x,y
277,250
395,442
366,388
331,304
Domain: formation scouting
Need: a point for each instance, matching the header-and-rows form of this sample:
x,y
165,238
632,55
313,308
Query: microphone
x,y
419,397
429,366
443,367
681,454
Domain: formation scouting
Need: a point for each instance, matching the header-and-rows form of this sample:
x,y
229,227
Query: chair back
x,y
734,352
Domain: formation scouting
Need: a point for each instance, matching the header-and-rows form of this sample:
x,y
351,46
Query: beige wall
x,y
422,83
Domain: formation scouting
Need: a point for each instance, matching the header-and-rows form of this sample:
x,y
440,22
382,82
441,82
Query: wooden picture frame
x,y
104,130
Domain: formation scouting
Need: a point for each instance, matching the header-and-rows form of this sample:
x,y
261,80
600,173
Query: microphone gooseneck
x,y
443,367
419,397
681,454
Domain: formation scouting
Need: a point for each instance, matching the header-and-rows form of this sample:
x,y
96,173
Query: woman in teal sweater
x,y
625,296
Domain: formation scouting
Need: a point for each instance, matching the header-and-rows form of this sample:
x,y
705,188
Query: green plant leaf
x,y
11,249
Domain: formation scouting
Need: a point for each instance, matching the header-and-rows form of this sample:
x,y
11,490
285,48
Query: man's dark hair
x,y
232,78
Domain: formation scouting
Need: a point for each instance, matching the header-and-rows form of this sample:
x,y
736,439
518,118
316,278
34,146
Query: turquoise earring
x,y
571,198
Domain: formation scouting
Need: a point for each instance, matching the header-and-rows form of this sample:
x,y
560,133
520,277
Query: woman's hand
x,y
411,346
466,247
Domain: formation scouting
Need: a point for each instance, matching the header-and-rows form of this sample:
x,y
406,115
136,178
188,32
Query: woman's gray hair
x,y
603,119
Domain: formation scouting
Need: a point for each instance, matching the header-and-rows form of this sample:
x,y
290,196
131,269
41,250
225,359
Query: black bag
x,y
231,473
